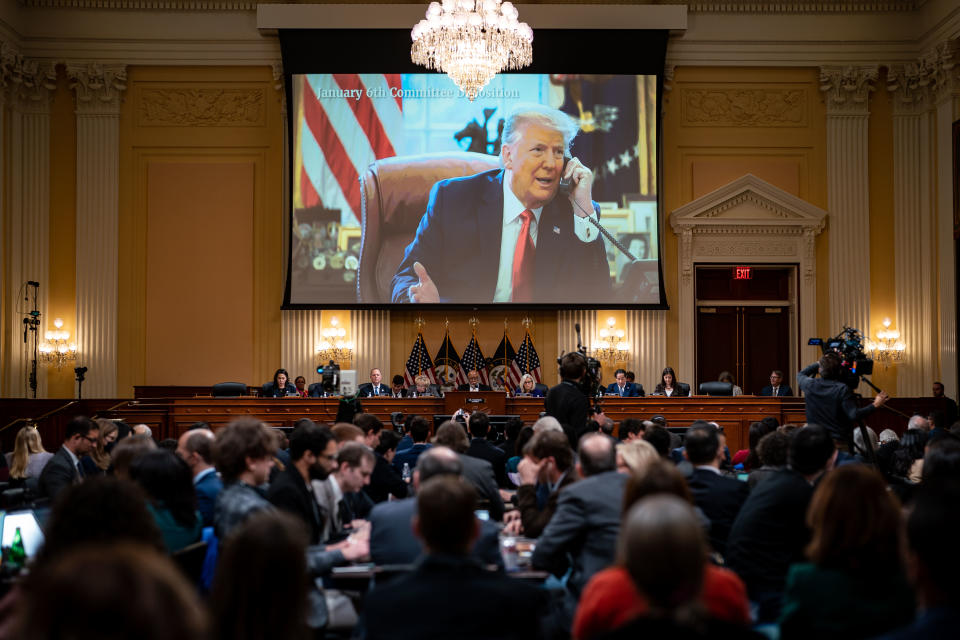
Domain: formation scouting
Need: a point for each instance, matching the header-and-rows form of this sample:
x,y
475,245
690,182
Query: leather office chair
x,y
228,390
715,388
394,194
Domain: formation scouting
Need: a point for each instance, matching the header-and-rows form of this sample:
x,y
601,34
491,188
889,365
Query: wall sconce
x,y
887,348
333,345
55,349
611,346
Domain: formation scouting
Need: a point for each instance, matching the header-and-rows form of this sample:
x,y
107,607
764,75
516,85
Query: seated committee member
x,y
776,386
623,388
280,387
726,376
374,387
423,389
669,386
528,387
473,383
532,243
397,390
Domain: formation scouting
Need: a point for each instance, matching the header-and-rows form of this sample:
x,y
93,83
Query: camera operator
x,y
830,401
568,402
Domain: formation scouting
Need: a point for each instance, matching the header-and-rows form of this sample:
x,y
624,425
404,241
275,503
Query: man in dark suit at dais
x,y
510,234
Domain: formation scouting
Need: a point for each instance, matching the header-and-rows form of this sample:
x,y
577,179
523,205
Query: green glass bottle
x,y
18,555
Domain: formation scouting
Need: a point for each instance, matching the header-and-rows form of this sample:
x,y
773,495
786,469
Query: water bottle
x,y
405,474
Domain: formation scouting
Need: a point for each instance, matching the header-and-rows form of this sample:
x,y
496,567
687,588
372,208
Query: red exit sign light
x,y
742,273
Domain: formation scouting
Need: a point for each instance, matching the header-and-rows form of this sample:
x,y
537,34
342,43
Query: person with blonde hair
x,y
528,387
29,457
98,461
634,456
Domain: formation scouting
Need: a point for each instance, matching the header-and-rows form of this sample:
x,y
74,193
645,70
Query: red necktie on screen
x,y
522,274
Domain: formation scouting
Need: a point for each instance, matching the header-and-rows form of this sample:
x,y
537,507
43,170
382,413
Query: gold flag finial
x,y
420,322
527,323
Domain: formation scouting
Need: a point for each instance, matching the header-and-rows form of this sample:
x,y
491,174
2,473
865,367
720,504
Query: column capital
x,y
847,89
944,64
99,88
910,86
31,82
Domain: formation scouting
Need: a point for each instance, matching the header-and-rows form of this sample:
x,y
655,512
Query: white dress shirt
x,y
512,223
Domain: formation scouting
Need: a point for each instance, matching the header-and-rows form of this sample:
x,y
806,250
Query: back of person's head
x,y
199,424
547,423
79,426
858,439
27,442
111,591
572,366
552,444
419,429
605,426
811,450
941,463
855,522
102,510
630,427
346,432
830,366
938,419
771,422
389,440
888,435
914,441
660,439
309,437
596,454
241,439
353,454
451,435
773,450
167,480
701,444
479,424
524,437
368,423
636,455
438,461
127,451
931,534
754,435
726,376
512,428
260,588
663,547
659,476
201,443
445,520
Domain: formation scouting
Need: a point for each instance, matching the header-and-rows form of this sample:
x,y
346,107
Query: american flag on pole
x,y
447,364
505,372
343,122
419,362
473,359
527,358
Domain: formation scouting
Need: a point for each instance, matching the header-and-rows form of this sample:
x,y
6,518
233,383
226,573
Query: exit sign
x,y
742,273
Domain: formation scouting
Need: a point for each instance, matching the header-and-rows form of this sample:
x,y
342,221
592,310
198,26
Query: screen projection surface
x,y
369,149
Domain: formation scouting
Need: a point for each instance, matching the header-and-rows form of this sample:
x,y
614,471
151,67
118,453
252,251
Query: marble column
x,y
98,90
647,333
371,343
914,226
847,95
28,214
300,332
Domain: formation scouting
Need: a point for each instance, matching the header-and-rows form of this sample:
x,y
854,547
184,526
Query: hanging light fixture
x,y
55,349
472,41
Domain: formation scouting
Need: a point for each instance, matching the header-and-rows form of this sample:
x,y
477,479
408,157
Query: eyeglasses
x,y
89,439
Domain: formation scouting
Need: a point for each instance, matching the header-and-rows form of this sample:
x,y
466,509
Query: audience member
x,y
889,435
567,401
547,423
471,602
860,447
391,541
166,480
719,497
313,453
385,481
511,431
260,589
243,452
582,533
168,444
770,531
482,448
633,456
748,457
419,431
98,460
344,432
772,451
908,458
195,448
29,457
941,462
64,468
854,585
525,435
371,427
128,450
547,462
142,430
477,472
631,429
660,439
106,590
352,472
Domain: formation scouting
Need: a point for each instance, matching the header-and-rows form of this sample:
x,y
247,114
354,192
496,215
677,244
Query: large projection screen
x,y
367,151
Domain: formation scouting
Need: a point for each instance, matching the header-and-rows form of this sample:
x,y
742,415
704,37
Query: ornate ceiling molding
x,y
153,5
916,86
800,6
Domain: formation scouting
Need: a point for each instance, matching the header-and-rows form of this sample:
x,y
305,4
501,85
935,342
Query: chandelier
x,y
611,346
333,345
472,41
887,348
55,350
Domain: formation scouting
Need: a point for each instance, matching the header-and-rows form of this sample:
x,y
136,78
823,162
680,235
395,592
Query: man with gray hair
x,y
536,233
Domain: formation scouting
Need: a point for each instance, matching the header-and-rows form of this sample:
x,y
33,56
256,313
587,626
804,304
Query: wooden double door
x,y
745,327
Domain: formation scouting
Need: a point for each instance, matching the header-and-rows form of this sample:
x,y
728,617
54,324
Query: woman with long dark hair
x,y
669,385
280,387
172,500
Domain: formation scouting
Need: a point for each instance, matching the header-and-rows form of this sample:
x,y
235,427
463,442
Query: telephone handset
x,y
566,184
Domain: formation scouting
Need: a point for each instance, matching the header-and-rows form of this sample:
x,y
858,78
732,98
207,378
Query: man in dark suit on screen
x,y
776,386
507,235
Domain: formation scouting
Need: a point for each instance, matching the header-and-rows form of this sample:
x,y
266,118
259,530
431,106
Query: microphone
x,y
31,283
577,327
